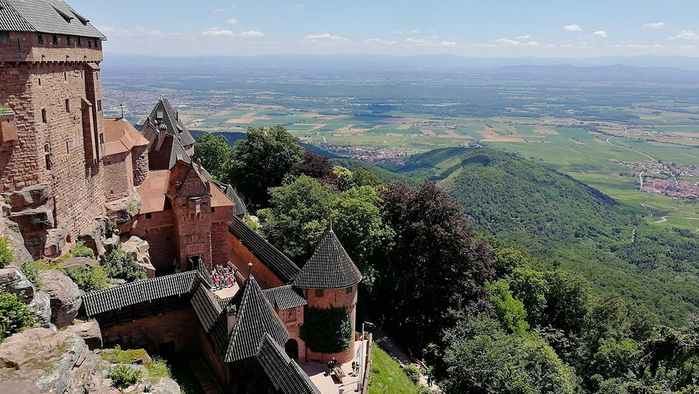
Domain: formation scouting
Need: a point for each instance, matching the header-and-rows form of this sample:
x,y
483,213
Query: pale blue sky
x,y
495,28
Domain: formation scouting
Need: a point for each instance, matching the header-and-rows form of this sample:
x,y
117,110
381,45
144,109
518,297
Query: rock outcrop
x,y
125,209
90,332
39,360
94,235
14,281
11,230
55,241
79,262
138,249
40,307
65,297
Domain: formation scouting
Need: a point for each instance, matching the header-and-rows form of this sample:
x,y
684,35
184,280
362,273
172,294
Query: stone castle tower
x,y
52,133
329,280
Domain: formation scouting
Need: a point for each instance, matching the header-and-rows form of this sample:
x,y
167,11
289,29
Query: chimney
x,y
231,317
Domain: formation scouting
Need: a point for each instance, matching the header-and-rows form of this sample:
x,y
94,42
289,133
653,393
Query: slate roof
x,y
284,297
206,307
134,293
232,194
175,127
45,16
254,318
164,154
330,267
286,376
270,256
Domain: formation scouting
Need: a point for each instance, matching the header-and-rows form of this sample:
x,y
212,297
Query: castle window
x,y
4,37
68,41
54,40
40,39
213,209
80,42
101,139
319,293
149,215
67,105
349,290
89,43
99,105
47,159
65,76
43,115
39,81
67,147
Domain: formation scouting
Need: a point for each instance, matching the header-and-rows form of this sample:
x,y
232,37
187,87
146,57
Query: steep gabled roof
x,y
284,297
45,16
170,119
231,193
254,317
206,307
282,371
134,293
272,258
330,267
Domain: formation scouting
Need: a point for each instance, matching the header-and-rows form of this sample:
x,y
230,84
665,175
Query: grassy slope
x,y
559,220
387,376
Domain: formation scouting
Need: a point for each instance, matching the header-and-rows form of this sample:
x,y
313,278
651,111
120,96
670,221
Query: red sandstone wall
x,y
25,47
220,250
215,363
118,176
158,231
332,299
140,165
179,326
293,322
264,276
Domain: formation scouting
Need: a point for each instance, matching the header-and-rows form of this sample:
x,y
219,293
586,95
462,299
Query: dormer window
x,y
4,37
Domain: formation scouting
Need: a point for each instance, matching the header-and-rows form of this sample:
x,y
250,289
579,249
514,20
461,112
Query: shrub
x,y
158,368
110,229
14,314
124,376
80,250
6,252
413,372
88,278
326,330
121,265
31,271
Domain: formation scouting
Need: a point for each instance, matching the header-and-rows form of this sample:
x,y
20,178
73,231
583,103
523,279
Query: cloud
x,y
446,44
375,41
232,21
219,11
527,37
515,43
252,33
599,34
216,32
574,27
655,25
686,35
407,32
325,37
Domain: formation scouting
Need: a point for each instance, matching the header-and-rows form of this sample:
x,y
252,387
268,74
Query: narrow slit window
x,y
67,105
43,115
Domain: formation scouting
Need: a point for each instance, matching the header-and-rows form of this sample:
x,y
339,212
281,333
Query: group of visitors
x,y
223,276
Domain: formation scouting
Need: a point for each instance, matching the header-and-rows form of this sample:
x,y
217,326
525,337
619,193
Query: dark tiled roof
x,y
330,267
223,302
286,376
204,273
284,297
254,318
134,293
230,192
206,307
45,16
175,127
272,258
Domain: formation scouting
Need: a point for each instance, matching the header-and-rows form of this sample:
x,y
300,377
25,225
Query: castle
x,y
66,171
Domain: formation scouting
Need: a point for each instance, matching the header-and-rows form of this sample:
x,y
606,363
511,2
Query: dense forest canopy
x,y
546,293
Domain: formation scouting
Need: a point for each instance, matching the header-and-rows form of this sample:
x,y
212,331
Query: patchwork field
x,y
582,150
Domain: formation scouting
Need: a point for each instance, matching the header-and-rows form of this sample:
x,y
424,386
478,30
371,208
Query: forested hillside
x,y
502,193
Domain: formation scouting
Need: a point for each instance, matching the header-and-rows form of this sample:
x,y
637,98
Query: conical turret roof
x,y
330,267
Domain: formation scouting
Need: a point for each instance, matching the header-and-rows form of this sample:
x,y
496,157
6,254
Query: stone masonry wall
x,y
334,298
140,165
264,276
118,176
220,250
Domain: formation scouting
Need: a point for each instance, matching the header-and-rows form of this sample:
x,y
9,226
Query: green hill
x,y
502,193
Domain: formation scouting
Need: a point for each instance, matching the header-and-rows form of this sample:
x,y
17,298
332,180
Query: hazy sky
x,y
489,28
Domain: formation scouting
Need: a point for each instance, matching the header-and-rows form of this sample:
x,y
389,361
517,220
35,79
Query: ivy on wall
x,y
326,330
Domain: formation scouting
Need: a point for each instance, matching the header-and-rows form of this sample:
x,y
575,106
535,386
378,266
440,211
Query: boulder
x,y
55,241
65,297
30,196
111,244
40,308
93,235
78,262
10,230
35,219
90,332
16,283
56,362
163,386
138,249
125,209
